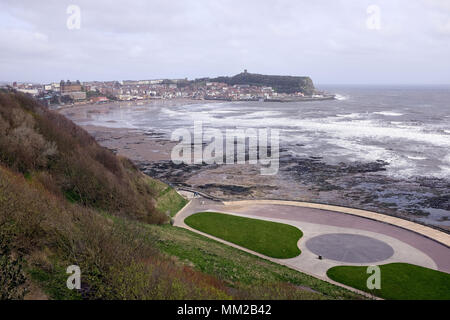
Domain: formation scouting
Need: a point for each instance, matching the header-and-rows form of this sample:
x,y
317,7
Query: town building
x,y
72,89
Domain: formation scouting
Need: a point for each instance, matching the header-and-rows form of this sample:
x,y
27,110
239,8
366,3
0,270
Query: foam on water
x,y
341,128
350,115
389,113
416,158
416,143
369,129
340,97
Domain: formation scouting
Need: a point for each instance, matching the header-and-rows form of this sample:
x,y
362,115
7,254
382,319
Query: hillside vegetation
x,y
64,200
57,189
50,149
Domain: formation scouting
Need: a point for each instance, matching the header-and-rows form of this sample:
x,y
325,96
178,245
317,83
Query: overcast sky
x,y
333,41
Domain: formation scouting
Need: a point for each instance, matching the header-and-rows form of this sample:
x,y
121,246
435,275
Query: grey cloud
x,y
326,39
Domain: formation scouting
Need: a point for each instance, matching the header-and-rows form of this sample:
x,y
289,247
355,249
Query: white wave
x,y
323,127
358,152
340,97
259,115
349,115
370,129
399,166
416,158
389,113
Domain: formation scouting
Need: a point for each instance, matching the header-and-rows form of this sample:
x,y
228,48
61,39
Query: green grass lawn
x,y
276,240
399,281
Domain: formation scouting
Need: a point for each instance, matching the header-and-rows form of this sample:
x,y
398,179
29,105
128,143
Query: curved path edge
x,y
181,224
425,231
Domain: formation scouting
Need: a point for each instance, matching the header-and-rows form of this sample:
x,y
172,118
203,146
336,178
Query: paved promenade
x,y
428,232
407,246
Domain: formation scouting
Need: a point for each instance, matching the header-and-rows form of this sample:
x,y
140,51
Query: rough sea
x,y
406,127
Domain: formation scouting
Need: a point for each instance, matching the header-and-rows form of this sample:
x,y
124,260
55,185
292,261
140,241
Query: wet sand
x,y
128,142
133,144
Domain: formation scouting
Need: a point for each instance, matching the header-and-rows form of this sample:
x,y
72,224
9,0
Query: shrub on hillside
x,y
43,144
117,258
12,279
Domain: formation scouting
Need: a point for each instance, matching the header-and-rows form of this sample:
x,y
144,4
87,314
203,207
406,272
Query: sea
x,y
408,127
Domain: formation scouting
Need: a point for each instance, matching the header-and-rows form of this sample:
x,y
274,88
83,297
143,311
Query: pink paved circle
x,y
352,248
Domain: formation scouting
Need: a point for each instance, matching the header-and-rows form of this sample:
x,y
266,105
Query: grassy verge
x,y
170,202
398,281
276,240
53,283
167,198
238,268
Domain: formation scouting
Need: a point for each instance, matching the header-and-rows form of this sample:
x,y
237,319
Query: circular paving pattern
x,y
351,248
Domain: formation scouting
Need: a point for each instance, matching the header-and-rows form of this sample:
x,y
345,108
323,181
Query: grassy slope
x,y
168,201
57,189
398,281
276,240
46,147
238,268
40,235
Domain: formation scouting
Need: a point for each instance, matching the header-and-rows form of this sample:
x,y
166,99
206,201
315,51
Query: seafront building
x,y
72,89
